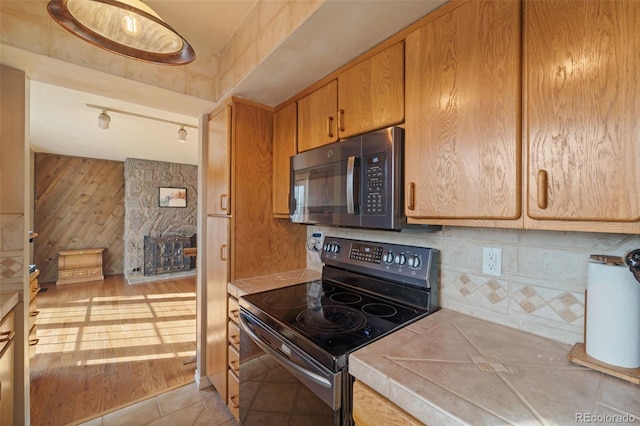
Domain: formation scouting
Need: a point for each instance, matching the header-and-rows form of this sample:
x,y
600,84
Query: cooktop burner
x,y
286,301
331,319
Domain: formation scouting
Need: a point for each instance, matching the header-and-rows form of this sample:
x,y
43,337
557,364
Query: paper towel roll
x,y
613,315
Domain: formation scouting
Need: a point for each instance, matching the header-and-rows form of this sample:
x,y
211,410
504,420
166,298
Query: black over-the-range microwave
x,y
357,182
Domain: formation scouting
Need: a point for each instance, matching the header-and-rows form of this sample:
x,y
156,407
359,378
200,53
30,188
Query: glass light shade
x,y
127,27
104,120
182,135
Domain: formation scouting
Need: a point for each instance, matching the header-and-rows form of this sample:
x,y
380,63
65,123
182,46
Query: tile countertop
x,y
450,368
244,286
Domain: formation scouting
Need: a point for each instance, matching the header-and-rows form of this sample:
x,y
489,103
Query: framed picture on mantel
x,y
172,197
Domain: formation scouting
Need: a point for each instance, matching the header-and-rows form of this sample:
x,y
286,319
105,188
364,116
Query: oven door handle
x,y
283,359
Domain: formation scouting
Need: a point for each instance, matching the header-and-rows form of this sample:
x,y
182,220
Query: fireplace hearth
x,y
164,255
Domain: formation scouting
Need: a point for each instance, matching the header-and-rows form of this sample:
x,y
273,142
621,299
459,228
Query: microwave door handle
x,y
351,163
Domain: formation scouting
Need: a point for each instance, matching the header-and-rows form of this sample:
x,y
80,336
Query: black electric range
x,y
367,290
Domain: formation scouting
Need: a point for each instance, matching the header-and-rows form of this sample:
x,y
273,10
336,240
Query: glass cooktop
x,y
328,319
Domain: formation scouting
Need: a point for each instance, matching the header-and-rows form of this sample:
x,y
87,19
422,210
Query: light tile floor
x,y
182,406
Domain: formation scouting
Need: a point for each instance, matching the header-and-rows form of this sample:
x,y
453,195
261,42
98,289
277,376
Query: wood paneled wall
x,y
79,203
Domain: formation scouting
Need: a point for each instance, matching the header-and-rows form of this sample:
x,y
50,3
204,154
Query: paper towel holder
x,y
632,260
578,353
607,259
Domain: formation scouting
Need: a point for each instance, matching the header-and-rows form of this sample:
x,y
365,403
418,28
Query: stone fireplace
x,y
155,236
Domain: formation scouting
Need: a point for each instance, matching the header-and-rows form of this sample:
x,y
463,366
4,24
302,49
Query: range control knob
x,y
389,257
413,261
401,259
332,247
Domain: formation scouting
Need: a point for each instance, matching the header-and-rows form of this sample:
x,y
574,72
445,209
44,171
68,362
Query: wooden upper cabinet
x,y
582,87
371,93
284,146
317,117
463,140
218,163
365,97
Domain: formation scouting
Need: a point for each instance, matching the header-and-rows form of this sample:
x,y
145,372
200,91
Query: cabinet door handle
x,y
330,127
34,342
7,336
234,339
223,253
234,401
223,202
411,196
234,313
341,120
234,365
542,189
34,313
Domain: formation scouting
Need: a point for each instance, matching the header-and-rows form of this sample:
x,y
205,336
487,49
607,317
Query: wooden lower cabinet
x,y
233,372
77,266
7,379
372,409
34,288
234,394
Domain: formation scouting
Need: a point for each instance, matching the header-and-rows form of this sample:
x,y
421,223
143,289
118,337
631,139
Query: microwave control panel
x,y
375,183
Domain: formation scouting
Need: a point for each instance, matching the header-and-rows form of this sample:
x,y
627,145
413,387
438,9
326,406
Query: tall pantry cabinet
x,y
243,239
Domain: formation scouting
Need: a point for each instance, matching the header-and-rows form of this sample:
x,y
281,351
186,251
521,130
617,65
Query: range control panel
x,y
385,260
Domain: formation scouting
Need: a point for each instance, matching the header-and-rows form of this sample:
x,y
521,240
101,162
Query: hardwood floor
x,y
105,344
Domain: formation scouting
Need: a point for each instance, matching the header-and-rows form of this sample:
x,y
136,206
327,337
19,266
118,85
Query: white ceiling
x,y
60,122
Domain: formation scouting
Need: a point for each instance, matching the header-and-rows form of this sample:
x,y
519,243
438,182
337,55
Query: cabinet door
x,y
371,93
7,377
218,164
216,293
317,117
462,144
284,146
370,409
582,128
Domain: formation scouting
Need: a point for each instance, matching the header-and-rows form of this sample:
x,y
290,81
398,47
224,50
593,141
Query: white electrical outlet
x,y
491,261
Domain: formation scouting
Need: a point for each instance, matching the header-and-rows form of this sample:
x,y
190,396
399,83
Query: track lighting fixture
x,y
104,120
182,134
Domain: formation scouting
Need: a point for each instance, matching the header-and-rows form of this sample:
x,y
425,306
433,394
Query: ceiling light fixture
x,y
127,27
104,119
182,134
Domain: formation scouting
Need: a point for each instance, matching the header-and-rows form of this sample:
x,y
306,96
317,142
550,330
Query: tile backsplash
x,y
12,261
544,273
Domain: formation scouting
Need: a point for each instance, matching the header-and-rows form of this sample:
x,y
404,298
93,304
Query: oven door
x,y
281,384
325,185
